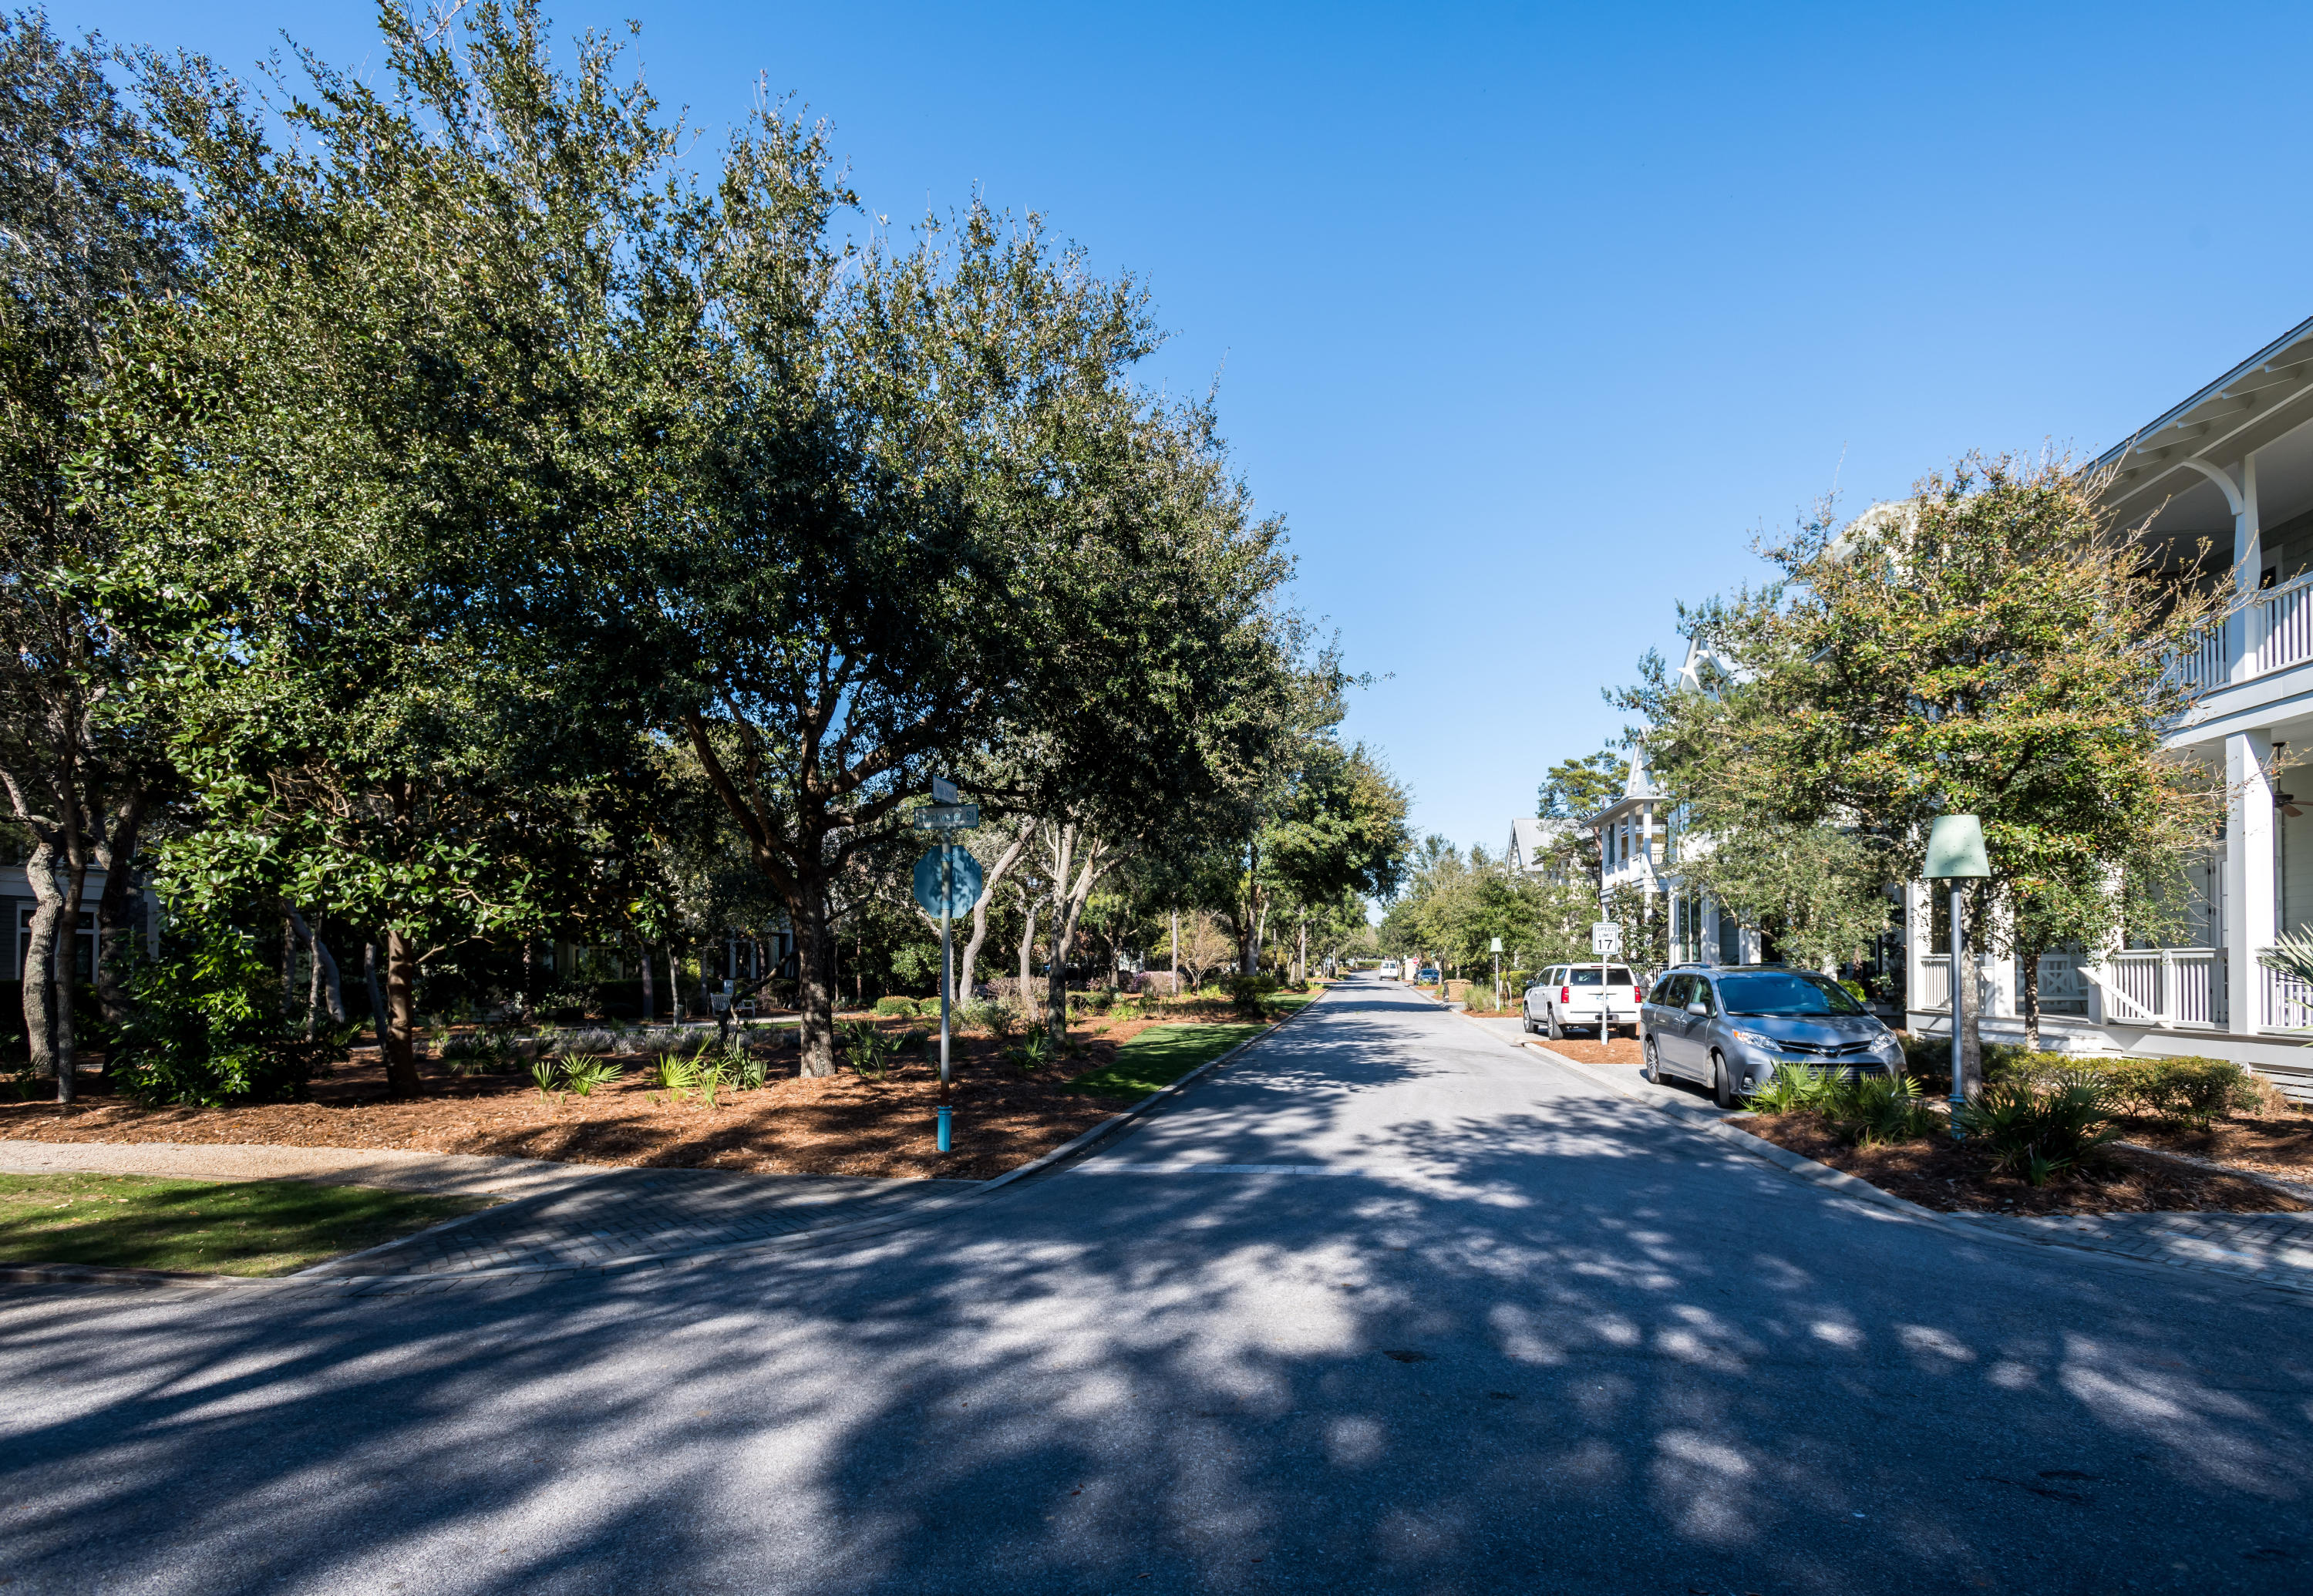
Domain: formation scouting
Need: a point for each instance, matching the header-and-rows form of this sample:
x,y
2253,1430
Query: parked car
x,y
1730,1027
1427,974
1389,969
1584,996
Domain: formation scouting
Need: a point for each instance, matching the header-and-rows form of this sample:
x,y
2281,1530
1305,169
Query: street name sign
x,y
947,817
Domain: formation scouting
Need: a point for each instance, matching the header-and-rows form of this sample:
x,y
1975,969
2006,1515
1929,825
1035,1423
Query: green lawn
x,y
1160,1055
1285,1002
240,1227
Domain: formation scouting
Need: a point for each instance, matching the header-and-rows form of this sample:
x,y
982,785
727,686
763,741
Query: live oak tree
x,y
1990,646
410,362
90,227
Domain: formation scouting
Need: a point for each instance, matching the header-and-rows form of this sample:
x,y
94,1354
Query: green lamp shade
x,y
1956,849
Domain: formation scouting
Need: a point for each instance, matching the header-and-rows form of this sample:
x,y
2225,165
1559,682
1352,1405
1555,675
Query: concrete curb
x,y
1108,1127
1821,1174
381,1284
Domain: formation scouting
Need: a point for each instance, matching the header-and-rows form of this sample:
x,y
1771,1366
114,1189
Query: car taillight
x,y
1565,995
1638,995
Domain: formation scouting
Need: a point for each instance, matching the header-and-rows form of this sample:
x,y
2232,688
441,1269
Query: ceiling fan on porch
x,y
2285,802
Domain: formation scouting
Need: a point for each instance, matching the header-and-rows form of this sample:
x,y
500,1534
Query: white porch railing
x,y
2281,627
2163,986
2203,665
2285,1003
2064,987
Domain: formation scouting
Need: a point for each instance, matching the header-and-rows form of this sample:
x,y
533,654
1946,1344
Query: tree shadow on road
x,y
1573,1347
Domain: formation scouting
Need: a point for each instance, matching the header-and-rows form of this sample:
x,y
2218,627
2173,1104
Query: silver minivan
x,y
1730,1027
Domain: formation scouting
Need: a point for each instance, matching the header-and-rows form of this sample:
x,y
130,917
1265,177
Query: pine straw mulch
x,y
2278,1142
1582,1049
841,1124
1957,1178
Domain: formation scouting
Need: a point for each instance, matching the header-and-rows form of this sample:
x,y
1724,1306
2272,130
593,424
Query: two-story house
x,y
2230,465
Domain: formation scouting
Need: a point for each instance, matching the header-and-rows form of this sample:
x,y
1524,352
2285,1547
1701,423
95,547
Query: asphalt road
x,y
1490,1330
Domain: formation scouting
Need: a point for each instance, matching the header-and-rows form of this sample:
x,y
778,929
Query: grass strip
x,y
1159,1056
210,1227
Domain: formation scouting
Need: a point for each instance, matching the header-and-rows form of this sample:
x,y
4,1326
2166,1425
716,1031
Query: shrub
x,y
206,1028
1248,994
1035,1049
677,1074
999,1020
1874,1110
2186,1091
1101,998
583,1078
2040,1133
593,1042
868,1048
896,1007
478,1052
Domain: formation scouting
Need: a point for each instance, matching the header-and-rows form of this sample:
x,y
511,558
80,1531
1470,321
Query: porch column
x,y
2249,875
2245,644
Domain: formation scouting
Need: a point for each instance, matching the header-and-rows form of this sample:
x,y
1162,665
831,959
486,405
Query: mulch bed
x,y
841,1124
1621,1050
1956,1177
2278,1143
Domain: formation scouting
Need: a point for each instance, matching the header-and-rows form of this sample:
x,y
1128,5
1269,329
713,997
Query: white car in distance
x,y
1388,969
1582,996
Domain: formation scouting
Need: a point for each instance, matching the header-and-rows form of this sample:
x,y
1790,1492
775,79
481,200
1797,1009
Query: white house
x,y
2233,464
1534,844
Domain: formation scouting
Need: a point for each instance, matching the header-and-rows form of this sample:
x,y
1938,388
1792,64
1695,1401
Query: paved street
x,y
1386,1305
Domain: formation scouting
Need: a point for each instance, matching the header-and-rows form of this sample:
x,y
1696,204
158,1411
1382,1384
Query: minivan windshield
x,y
1579,977
1784,992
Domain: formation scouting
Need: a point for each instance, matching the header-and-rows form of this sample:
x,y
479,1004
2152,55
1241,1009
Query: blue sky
x,y
1529,318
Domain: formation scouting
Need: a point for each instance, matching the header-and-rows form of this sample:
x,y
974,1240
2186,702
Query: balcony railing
x,y
2275,631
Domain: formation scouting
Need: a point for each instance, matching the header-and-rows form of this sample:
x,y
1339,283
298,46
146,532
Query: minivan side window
x,y
1703,994
1661,993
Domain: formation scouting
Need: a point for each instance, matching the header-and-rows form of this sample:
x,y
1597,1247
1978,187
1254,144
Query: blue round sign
x,y
956,895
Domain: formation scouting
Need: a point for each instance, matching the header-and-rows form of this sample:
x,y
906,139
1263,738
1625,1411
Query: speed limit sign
x,y
1605,938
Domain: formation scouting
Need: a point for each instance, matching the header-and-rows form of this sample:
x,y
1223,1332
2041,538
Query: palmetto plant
x,y
583,1078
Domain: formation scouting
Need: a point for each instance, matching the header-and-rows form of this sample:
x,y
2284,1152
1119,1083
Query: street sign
x,y
944,791
947,817
962,888
1605,938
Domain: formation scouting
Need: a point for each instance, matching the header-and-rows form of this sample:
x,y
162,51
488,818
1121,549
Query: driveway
x,y
1384,1306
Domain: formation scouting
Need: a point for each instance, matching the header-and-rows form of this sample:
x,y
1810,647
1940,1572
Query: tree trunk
x,y
528,978
400,1041
289,940
650,997
815,979
40,958
376,997
66,954
994,874
1027,948
2029,968
674,988
115,927
329,990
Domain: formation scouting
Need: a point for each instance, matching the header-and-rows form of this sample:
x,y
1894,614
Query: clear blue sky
x,y
1532,317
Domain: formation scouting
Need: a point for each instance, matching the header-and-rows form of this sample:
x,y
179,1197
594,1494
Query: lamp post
x,y
1956,854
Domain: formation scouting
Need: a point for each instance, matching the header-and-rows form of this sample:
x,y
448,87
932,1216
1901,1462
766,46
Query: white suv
x,y
1575,995
1389,969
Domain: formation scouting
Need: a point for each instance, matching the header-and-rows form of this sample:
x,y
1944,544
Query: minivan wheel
x,y
1722,1085
1652,1069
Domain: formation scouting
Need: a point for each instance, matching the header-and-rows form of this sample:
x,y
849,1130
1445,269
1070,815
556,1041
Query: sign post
x,y
1606,942
1956,854
1498,973
947,882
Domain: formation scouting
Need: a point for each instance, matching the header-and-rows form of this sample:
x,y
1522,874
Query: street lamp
x,y
1956,854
